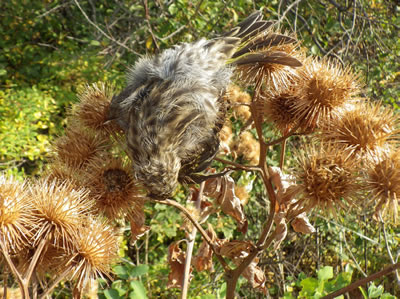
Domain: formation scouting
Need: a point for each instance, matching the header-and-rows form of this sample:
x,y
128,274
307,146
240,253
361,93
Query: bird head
x,y
158,174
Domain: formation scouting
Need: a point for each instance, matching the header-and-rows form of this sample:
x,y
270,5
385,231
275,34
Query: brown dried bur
x,y
248,146
383,183
176,261
93,106
16,221
223,190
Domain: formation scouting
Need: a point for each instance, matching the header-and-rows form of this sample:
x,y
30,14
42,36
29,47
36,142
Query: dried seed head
x,y
16,219
226,137
59,210
51,261
95,250
234,94
322,87
93,107
249,147
384,184
78,146
112,186
364,131
325,178
278,109
277,77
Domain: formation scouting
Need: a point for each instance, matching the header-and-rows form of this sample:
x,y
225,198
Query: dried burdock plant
x,y
383,182
239,101
280,56
364,131
325,179
93,107
112,186
278,109
16,221
322,87
226,137
78,146
95,249
59,209
248,147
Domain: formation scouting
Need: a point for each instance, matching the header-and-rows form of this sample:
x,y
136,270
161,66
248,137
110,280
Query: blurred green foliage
x,y
49,49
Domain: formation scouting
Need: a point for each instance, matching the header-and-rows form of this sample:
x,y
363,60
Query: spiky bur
x,y
93,108
278,109
274,64
383,182
325,179
239,101
16,221
59,210
95,249
322,88
248,147
78,146
364,131
112,187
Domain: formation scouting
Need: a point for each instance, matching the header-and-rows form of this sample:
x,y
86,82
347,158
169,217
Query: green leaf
x,y
94,43
375,291
138,270
325,273
112,294
138,290
3,72
309,285
121,271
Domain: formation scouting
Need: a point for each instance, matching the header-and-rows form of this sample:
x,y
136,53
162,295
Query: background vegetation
x,y
50,49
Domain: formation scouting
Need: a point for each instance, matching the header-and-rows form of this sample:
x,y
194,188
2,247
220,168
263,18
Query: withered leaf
x,y
138,229
281,228
236,249
176,261
203,259
301,224
223,190
256,276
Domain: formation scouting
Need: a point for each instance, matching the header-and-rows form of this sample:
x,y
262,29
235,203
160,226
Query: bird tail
x,y
258,43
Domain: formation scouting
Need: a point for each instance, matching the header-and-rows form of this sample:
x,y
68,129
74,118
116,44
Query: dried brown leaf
x,y
203,259
236,249
176,261
281,228
223,190
256,276
301,224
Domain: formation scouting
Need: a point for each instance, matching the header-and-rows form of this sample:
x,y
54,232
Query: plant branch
x,y
284,137
190,245
101,31
265,238
55,283
23,286
197,225
363,281
237,165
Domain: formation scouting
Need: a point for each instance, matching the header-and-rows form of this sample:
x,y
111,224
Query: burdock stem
x,y
189,248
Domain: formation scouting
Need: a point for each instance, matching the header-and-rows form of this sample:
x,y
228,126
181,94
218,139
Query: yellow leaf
x,y
149,42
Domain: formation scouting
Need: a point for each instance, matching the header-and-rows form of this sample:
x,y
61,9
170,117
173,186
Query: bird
x,y
171,110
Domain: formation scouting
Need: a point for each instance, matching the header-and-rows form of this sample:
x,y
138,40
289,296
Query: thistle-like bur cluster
x,y
352,139
62,224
